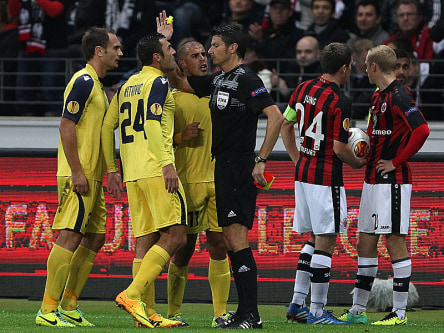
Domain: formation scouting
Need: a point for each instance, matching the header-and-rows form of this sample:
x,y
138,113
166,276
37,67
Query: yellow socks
x,y
58,268
150,268
149,295
220,278
177,279
82,263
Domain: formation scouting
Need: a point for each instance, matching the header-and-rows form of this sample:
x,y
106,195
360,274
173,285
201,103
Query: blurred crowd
x,y
285,40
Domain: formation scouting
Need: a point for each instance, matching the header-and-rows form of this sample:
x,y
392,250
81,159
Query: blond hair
x,y
384,57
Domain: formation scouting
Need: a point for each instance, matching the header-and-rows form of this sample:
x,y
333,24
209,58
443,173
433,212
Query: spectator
x,y
344,13
401,42
254,60
426,89
43,38
325,27
411,21
131,19
368,19
242,12
74,36
195,18
303,14
437,24
362,90
8,49
402,66
388,13
279,38
412,25
306,67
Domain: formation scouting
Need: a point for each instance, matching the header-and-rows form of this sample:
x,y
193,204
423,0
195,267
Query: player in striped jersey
x,y
322,112
143,109
81,215
192,123
397,130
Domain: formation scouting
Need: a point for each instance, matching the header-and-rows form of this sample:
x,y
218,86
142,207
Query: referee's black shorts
x,y
235,190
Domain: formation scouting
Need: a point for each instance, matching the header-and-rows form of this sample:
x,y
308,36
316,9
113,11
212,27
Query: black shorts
x,y
235,191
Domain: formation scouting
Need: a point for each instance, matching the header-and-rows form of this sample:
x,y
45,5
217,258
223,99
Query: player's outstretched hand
x,y
163,27
114,185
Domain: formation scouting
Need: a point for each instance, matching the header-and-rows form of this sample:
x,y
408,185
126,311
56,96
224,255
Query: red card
x,y
269,178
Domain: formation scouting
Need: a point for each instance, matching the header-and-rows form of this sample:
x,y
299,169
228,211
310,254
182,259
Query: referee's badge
x,y
73,107
156,109
222,99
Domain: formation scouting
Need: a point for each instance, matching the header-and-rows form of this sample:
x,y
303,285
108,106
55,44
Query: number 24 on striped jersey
x,y
314,130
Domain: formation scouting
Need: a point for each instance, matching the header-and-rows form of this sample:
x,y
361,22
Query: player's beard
x,y
167,65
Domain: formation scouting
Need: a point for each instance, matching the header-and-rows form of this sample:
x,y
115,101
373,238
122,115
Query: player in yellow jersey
x,y
192,128
143,109
81,215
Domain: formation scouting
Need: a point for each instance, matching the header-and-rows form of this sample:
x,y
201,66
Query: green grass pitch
x,y
17,315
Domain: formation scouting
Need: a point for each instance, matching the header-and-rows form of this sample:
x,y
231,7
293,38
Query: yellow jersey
x,y
85,103
143,109
193,157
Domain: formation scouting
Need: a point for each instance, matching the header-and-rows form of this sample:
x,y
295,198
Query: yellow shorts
x,y
201,206
152,207
80,212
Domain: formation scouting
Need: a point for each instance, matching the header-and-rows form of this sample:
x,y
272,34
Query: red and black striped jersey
x,y
322,112
393,117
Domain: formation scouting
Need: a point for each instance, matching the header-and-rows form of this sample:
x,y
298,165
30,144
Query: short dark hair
x,y
230,34
401,53
93,37
332,3
420,6
182,47
370,3
147,46
402,42
334,56
408,2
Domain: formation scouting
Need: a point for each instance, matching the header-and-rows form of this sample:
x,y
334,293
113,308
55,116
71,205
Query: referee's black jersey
x,y
393,117
236,99
322,112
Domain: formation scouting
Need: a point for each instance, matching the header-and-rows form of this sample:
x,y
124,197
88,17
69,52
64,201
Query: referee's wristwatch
x,y
259,159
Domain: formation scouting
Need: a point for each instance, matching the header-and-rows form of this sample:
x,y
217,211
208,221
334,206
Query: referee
x,y
237,97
